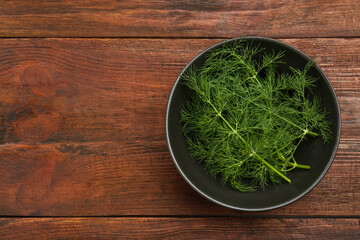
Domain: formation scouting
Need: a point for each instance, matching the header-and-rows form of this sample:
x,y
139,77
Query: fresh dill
x,y
246,119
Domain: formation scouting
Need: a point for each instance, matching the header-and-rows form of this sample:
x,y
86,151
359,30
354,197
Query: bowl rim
x,y
327,82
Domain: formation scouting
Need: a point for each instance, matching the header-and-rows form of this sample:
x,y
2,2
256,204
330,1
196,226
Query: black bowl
x,y
313,152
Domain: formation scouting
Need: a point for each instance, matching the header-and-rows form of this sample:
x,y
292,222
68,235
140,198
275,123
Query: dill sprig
x,y
247,119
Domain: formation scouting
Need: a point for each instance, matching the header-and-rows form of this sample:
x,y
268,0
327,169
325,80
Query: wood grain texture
x,y
180,18
82,128
179,228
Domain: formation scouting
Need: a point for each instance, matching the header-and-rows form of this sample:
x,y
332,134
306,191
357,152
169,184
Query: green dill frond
x,y
246,119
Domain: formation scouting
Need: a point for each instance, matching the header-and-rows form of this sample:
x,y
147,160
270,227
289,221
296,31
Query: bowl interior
x,y
312,152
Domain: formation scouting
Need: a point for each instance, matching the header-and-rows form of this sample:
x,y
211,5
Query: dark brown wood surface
x,y
79,139
180,18
83,153
180,228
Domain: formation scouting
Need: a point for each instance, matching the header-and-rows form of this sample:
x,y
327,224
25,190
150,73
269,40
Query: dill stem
x,y
286,120
254,73
282,158
272,168
286,145
298,165
247,145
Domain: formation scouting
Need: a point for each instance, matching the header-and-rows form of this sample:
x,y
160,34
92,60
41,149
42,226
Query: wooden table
x,y
83,91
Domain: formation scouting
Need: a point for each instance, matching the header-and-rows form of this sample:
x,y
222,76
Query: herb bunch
x,y
247,119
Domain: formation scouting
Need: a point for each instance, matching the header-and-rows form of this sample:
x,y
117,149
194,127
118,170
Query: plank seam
x,y
196,216
170,37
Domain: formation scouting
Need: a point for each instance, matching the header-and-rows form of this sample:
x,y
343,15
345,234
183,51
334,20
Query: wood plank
x,y
210,18
91,179
83,128
180,228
